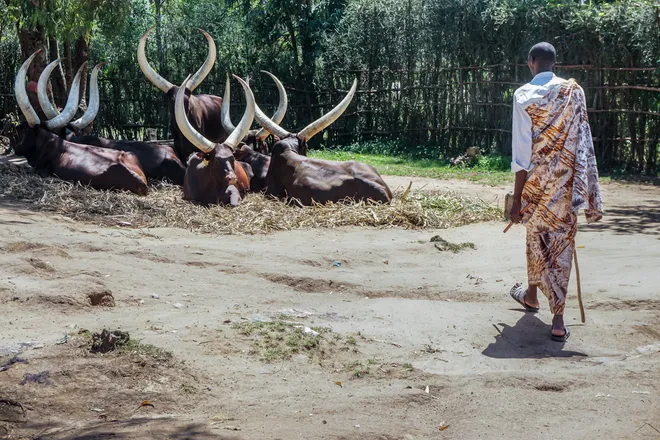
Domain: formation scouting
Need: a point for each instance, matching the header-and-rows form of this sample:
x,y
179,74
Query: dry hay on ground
x,y
72,393
165,207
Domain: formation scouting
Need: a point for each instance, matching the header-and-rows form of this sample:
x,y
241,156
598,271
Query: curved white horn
x,y
324,121
281,106
204,71
246,121
184,125
71,104
94,101
21,94
153,76
224,110
42,90
268,124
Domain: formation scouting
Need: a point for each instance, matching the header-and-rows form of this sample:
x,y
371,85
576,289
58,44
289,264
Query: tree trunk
x,y
58,80
32,40
162,62
68,64
80,56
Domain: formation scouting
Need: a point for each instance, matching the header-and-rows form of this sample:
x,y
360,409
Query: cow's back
x,y
158,161
330,181
100,168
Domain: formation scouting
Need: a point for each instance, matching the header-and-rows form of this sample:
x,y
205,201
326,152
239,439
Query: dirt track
x,y
407,317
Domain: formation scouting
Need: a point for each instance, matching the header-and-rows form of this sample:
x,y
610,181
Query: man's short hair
x,y
544,53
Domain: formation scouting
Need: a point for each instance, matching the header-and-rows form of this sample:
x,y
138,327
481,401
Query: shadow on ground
x,y
640,219
142,427
528,339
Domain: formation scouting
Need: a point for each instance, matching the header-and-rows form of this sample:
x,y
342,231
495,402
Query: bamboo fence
x,y
449,107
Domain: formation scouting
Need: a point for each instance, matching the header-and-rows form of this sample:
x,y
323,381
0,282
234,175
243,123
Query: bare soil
x,y
413,342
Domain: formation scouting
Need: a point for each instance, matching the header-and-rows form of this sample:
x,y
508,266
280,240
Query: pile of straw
x,y
257,214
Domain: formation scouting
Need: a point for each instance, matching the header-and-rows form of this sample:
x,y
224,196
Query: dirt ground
x,y
415,343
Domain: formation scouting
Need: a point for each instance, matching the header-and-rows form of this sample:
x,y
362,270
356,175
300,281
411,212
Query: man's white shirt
x,y
525,96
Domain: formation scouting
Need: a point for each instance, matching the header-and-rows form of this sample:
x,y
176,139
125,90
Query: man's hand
x,y
515,214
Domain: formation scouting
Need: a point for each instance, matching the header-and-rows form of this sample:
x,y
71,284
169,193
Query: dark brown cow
x,y
99,168
259,164
50,154
215,178
213,175
158,161
203,111
294,175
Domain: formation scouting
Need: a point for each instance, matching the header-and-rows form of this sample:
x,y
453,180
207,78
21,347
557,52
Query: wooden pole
x,y
579,287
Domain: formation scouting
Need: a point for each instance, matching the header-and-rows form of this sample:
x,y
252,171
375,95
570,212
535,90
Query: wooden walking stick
x,y
579,287
508,201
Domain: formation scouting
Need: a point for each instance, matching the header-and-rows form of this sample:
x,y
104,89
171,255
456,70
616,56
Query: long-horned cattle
x,y
255,139
253,149
203,111
213,175
293,175
157,161
49,154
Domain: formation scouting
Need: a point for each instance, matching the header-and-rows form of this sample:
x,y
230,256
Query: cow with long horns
x,y
213,175
255,139
294,175
203,111
49,154
157,161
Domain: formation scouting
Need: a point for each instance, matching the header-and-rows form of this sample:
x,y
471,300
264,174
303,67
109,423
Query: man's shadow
x,y
528,339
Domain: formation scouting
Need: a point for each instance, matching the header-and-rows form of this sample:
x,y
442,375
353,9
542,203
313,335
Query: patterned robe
x,y
563,179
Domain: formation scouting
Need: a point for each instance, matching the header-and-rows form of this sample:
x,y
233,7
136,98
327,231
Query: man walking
x,y
556,175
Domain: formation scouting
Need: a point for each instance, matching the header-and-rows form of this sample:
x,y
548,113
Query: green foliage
x,y
70,19
408,104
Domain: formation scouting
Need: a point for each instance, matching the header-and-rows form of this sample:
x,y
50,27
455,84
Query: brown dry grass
x,y
165,207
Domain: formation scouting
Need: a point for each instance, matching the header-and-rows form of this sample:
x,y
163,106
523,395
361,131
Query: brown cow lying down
x,y
213,175
157,161
203,111
294,175
212,179
100,168
259,164
50,154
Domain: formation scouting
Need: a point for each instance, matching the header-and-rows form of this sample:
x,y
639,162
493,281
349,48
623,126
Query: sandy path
x,y
485,362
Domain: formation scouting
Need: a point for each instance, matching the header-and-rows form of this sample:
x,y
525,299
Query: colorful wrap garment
x,y
562,180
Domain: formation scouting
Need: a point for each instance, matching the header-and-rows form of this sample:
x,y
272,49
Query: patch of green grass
x,y
443,245
135,347
489,170
278,341
357,369
407,367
